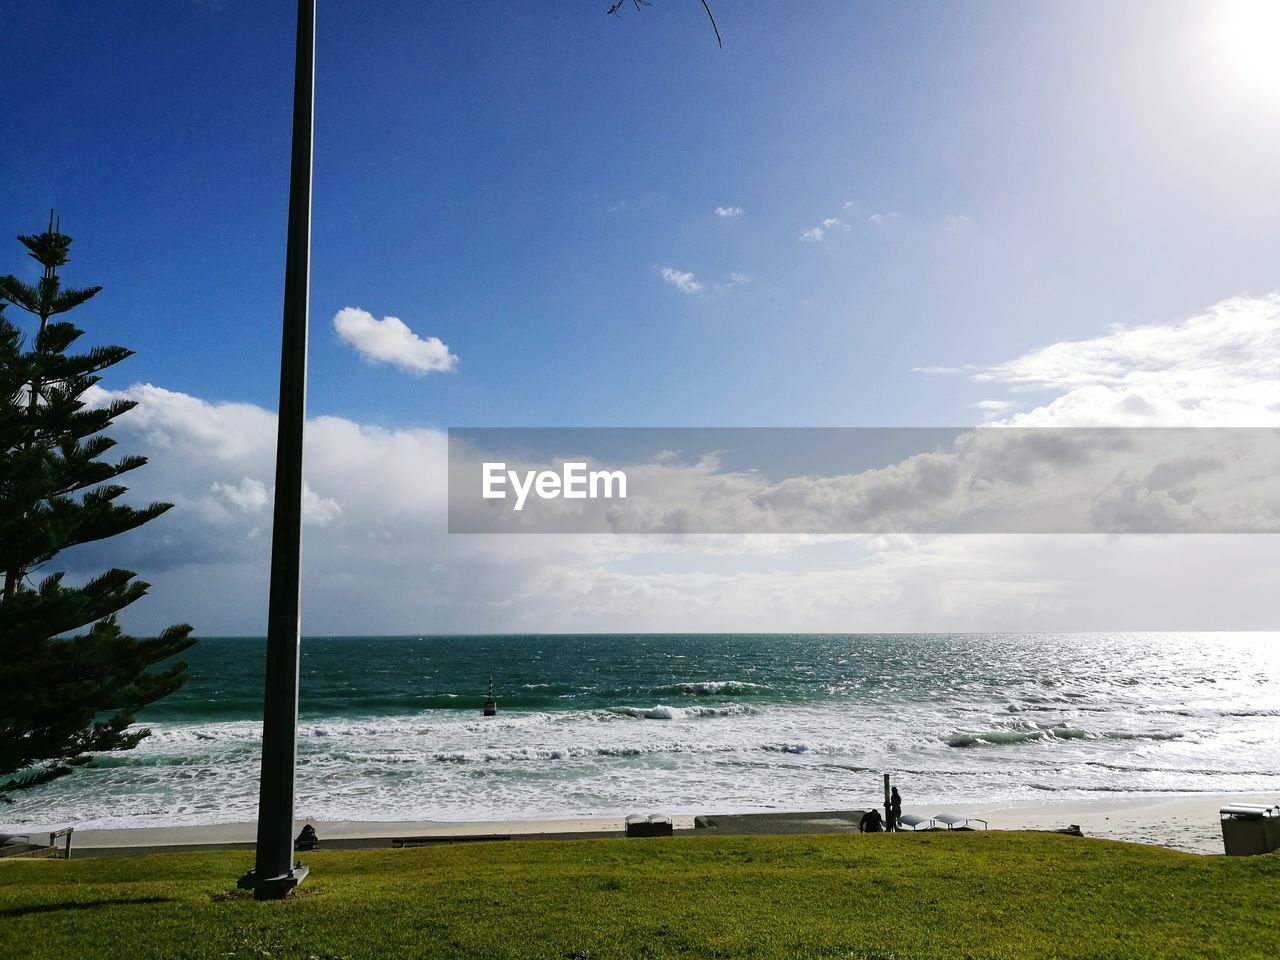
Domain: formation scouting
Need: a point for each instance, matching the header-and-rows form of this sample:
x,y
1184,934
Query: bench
x,y
954,821
654,825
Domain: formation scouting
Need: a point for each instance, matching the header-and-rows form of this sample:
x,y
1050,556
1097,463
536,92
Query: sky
x,y
854,214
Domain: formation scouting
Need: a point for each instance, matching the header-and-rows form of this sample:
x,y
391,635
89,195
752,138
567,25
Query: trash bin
x,y
1250,828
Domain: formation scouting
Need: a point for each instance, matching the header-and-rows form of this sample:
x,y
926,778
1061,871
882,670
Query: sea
x,y
390,728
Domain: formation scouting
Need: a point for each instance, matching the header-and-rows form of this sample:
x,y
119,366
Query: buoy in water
x,y
490,707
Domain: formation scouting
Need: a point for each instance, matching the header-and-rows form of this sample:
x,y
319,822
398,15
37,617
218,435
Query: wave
x,y
1046,734
800,746
520,754
109,761
1189,771
525,697
1103,788
397,705
1251,713
705,688
664,712
534,696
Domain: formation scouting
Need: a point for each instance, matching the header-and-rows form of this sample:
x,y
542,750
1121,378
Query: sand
x,y
1181,822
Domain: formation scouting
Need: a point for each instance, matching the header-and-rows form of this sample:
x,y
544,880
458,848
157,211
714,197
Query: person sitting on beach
x,y
871,821
307,838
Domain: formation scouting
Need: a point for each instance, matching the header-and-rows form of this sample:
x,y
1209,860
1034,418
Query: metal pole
x,y
276,873
888,815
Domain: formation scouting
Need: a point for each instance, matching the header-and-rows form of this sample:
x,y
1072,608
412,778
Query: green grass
x,y
900,896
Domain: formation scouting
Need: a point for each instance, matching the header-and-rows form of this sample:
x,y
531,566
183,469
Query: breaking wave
x,y
707,688
664,712
996,738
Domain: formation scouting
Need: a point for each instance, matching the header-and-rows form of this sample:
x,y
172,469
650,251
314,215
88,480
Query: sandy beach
x,y
1187,823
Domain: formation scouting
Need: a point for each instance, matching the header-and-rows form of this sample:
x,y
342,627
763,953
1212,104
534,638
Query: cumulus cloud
x,y
1219,368
390,340
729,213
316,509
377,559
983,481
682,280
369,502
253,496
250,495
819,233
993,408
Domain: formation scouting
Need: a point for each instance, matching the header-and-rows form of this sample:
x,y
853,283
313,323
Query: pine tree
x,y
64,696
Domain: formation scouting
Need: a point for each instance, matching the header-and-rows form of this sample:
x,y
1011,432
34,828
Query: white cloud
x,y
729,213
376,557
983,481
250,495
682,280
819,233
253,496
734,280
993,407
1218,368
962,584
318,510
390,340
880,219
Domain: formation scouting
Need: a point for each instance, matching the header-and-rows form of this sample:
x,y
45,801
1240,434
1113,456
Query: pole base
x,y
273,888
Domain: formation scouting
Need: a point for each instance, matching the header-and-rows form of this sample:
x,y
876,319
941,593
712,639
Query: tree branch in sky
x,y
618,5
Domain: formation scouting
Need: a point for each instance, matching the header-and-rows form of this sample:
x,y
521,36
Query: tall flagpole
x,y
275,872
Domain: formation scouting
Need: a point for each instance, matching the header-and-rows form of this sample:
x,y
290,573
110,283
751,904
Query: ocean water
x,y
390,727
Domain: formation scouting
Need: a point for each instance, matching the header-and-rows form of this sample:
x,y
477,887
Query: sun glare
x,y
1248,34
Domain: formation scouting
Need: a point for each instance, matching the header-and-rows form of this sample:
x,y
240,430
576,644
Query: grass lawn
x,y
901,896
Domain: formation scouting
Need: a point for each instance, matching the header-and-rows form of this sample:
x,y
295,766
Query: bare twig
x,y
618,5
713,24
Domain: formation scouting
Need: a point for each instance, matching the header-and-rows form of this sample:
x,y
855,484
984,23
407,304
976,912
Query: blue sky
x,y
514,179
510,177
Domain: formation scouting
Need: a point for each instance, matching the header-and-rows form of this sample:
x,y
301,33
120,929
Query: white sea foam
x,y
704,688
663,712
947,735
1044,734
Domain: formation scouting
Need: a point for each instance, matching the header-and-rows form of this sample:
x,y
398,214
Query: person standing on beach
x,y
895,810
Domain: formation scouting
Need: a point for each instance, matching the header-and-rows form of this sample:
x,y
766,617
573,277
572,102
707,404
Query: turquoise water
x,y
390,727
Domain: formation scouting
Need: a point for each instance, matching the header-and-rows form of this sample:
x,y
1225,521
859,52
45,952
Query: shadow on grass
x,y
78,905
